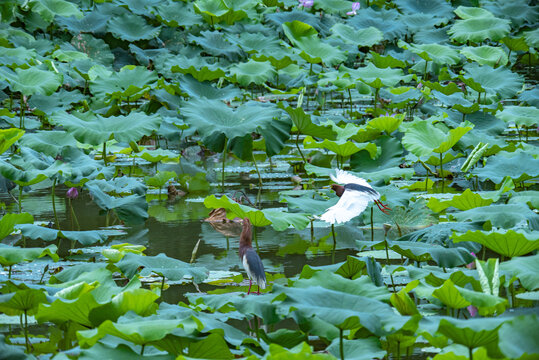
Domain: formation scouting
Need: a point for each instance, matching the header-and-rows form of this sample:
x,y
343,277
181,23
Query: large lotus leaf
x,y
95,129
387,21
48,9
519,166
444,257
313,50
465,201
21,302
520,115
479,29
528,197
525,269
8,222
302,121
358,349
8,137
204,89
253,72
377,78
471,333
172,269
441,233
423,138
486,55
501,215
215,44
338,308
450,296
342,148
131,27
92,22
10,255
213,120
214,8
21,177
175,14
132,209
60,100
440,54
86,237
138,332
446,89
75,167
363,37
517,339
419,22
196,67
391,156
508,243
467,12
32,81
307,201
130,83
435,8
519,12
278,219
501,80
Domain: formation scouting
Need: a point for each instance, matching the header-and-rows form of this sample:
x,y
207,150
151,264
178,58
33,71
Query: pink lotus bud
x,y
472,310
307,4
355,8
72,193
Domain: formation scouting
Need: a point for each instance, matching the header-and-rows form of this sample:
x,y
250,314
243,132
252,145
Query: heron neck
x,y
339,189
246,236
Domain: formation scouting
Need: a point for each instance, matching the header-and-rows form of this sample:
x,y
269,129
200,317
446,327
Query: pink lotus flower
x,y
355,8
72,193
472,310
307,4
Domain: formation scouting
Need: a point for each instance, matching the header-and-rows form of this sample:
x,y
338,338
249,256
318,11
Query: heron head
x,y
339,189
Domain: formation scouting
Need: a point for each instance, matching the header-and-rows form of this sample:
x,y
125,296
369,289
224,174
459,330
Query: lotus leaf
x,y
131,27
465,201
440,54
519,166
253,72
479,29
130,83
32,81
302,121
24,301
197,68
10,255
8,222
386,21
517,339
362,37
525,268
8,137
501,215
215,44
508,243
342,148
358,349
486,55
423,138
520,115
471,333
500,81
48,9
377,78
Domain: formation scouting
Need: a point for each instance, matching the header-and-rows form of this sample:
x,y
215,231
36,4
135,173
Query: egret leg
x,y
258,287
382,207
250,283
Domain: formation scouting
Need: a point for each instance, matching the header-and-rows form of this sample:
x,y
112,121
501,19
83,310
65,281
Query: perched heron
x,y
354,196
250,259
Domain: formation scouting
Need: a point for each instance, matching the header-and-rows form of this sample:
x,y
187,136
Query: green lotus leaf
x,y
444,257
277,219
403,302
358,349
423,138
60,100
302,121
501,215
8,137
528,197
520,13
215,8
10,255
449,295
23,301
340,78
8,222
306,201
520,115
162,265
486,55
386,123
471,333
532,38
525,269
130,83
440,54
361,286
466,12
215,44
196,67
50,143
508,243
377,78
139,301
465,201
132,209
160,179
68,55
516,337
479,29
448,89
420,21
215,121
519,166
338,308
515,43
253,72
86,237
500,81
387,21
95,129
131,27
204,89
176,14
435,8
313,50
342,148
34,81
158,155
48,9
363,37
16,57
300,351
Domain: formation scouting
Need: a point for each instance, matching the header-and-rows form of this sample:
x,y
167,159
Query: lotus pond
x,y
125,122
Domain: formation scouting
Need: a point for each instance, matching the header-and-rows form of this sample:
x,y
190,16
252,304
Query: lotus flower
x,y
355,8
472,264
472,310
307,4
72,193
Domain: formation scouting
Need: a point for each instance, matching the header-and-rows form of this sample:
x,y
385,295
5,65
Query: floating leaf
x,y
508,243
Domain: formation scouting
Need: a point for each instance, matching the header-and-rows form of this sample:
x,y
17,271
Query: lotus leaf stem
x,y
470,352
350,95
297,146
333,234
142,349
442,173
223,170
26,331
372,223
9,272
105,152
257,171
341,345
20,199
54,205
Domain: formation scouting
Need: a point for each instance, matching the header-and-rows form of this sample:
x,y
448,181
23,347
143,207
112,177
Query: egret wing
x,y
350,205
344,177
